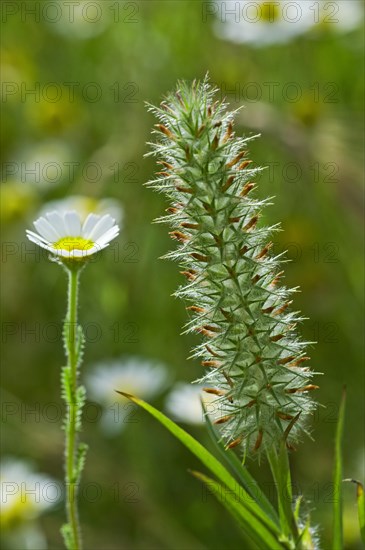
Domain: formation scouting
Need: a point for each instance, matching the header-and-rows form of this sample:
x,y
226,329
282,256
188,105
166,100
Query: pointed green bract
x,y
255,361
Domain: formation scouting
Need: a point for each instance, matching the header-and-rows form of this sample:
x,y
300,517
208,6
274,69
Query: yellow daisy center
x,y
15,514
73,243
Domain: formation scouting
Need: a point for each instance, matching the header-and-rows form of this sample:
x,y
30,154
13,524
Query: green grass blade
x,y
280,468
211,463
248,522
361,509
337,503
360,506
249,483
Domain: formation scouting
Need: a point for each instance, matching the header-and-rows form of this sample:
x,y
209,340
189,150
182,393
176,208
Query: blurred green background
x,y
86,126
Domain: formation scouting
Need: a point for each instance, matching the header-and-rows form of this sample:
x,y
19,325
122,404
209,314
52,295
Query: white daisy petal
x,y
56,220
72,223
103,225
83,205
100,246
81,254
89,224
96,248
42,244
62,252
108,236
46,230
35,236
62,234
77,253
37,240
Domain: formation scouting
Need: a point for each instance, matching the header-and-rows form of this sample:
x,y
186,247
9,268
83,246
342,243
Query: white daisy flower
x,y
83,205
340,16
44,165
65,236
184,404
263,23
82,20
27,537
139,377
24,494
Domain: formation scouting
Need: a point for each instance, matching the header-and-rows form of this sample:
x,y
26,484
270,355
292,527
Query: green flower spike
x,y
255,361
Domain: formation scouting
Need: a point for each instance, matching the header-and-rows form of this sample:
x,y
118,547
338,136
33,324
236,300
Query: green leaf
x,y
279,463
247,521
360,506
66,384
280,468
80,402
80,460
305,539
80,344
267,524
68,539
232,461
337,503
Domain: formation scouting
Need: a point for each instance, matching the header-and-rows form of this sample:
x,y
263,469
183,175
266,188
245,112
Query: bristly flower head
x,y
256,363
68,239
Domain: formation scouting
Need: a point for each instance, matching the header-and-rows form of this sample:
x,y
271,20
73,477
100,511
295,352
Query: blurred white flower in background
x,y
84,205
184,404
263,23
81,20
347,14
24,495
140,377
15,200
44,165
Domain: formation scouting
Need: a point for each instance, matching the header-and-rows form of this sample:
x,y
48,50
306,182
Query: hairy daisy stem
x,y
71,418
